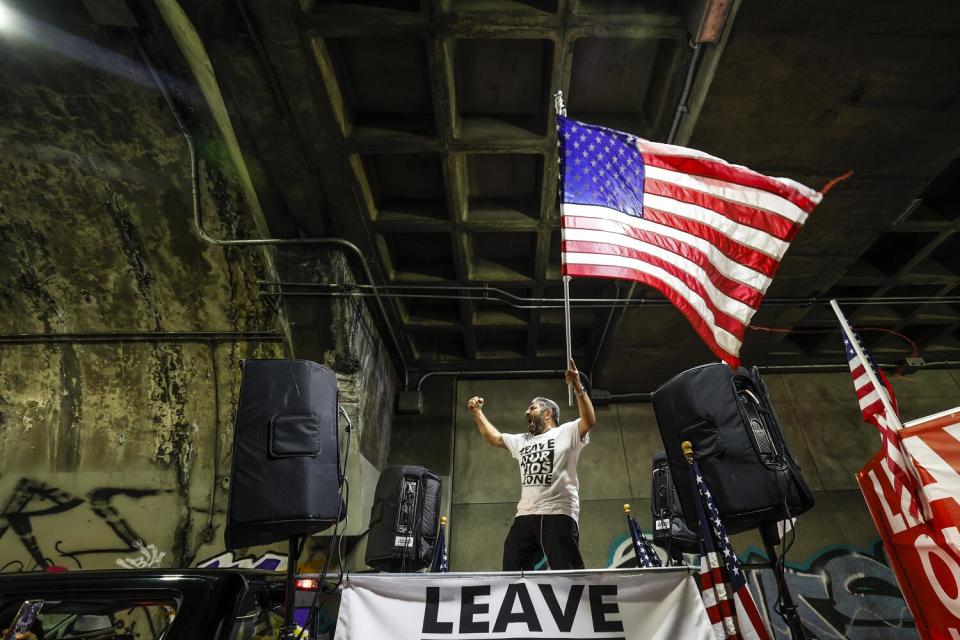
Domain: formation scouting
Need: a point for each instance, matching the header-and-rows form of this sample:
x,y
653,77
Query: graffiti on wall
x,y
840,591
31,502
149,556
312,560
267,562
43,527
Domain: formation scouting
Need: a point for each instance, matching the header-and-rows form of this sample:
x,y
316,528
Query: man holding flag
x,y
546,521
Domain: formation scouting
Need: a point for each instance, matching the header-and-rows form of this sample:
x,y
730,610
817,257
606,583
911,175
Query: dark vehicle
x,y
158,604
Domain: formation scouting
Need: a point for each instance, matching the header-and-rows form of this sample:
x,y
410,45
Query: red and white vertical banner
x,y
924,550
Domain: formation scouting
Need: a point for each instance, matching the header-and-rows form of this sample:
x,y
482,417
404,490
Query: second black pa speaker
x,y
737,441
670,530
404,520
285,476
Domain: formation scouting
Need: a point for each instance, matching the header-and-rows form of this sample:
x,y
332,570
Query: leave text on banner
x,y
570,605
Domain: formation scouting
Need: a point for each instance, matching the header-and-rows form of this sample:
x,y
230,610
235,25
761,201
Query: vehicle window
x,y
260,617
104,619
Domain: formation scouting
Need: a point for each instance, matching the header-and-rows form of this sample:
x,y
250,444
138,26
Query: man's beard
x,y
536,426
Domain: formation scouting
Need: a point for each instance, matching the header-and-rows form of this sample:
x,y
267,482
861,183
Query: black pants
x,y
532,537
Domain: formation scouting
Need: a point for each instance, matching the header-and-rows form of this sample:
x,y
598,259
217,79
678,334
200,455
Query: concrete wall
x,y
115,452
425,439
118,453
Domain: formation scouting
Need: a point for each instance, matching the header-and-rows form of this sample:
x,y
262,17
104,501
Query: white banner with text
x,y
612,604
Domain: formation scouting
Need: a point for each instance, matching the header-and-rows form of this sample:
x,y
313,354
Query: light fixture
x,y
6,17
706,19
307,584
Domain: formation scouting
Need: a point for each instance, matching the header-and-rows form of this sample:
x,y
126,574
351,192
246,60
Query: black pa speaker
x,y
403,520
737,442
285,476
670,531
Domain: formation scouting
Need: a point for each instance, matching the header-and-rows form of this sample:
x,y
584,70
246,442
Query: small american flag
x,y
874,412
646,555
441,562
707,234
723,585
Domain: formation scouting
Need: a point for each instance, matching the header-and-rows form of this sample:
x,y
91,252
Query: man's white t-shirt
x,y
548,469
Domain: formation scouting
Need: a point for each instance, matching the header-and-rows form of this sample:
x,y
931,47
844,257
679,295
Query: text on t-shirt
x,y
536,463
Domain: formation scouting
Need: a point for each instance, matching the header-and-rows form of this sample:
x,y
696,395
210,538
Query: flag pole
x,y
636,547
561,110
881,390
566,316
891,415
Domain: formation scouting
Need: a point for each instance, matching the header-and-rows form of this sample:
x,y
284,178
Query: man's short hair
x,y
549,404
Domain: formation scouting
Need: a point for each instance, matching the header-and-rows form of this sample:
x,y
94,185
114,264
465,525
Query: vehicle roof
x,y
131,575
207,598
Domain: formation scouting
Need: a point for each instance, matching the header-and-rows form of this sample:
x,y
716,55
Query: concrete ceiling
x,y
422,132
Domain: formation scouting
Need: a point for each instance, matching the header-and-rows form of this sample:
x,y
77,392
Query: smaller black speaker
x,y
670,532
285,475
404,520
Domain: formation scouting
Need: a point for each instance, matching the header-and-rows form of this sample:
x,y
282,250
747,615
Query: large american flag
x,y
873,410
723,585
707,234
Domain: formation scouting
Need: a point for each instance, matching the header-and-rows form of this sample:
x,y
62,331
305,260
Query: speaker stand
x,y
675,558
790,614
289,629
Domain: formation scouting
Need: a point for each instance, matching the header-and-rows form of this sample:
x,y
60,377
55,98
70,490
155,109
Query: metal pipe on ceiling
x,y
512,300
114,337
646,396
683,108
640,396
496,372
198,215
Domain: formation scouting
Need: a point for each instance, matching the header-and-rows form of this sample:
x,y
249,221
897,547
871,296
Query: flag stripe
x,y
689,246
726,245
693,306
705,330
705,165
749,608
693,247
896,466
748,236
873,407
747,196
723,296
752,217
712,612
860,380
